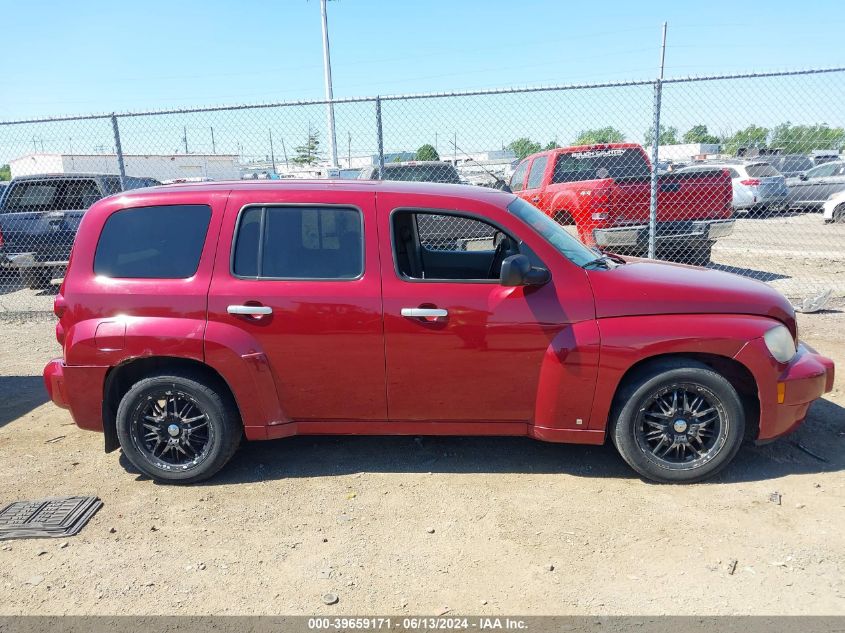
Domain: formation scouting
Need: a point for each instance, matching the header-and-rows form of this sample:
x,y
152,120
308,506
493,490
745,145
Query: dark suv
x,y
39,216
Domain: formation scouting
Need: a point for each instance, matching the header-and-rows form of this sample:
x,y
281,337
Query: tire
x,y
678,448
205,443
839,214
36,278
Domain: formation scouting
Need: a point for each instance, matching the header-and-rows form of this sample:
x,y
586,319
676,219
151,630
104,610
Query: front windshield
x,y
552,232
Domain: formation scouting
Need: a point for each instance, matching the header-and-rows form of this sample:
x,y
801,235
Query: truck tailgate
x,y
47,234
680,197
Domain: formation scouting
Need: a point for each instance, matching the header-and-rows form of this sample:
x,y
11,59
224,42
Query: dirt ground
x,y
421,526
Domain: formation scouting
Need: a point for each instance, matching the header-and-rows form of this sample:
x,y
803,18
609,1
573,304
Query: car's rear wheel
x,y
839,214
678,422
564,218
177,428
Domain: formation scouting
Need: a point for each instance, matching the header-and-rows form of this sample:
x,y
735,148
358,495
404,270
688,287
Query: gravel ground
x,y
409,526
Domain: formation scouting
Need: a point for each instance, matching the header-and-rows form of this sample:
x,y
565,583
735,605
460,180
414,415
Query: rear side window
x,y
299,243
163,242
538,168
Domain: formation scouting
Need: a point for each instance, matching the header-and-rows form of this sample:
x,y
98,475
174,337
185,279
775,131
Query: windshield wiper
x,y
604,259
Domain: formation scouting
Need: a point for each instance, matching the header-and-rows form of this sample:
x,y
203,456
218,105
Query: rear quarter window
x,y
162,242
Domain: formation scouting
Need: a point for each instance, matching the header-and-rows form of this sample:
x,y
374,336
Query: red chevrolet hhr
x,y
193,315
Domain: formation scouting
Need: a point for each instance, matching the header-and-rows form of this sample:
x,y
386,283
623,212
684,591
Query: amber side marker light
x,y
781,392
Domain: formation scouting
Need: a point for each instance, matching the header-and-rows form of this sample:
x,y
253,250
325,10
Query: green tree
x,y
5,173
752,136
309,153
600,135
699,134
427,152
800,139
523,147
551,145
667,136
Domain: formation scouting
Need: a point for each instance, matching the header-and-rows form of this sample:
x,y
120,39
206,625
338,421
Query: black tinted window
x,y
153,242
437,172
52,195
299,243
600,163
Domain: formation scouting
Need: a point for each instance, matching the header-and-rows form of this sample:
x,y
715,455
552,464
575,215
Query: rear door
x,y
297,272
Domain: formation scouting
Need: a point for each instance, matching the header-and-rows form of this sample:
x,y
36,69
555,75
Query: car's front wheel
x,y
678,422
178,428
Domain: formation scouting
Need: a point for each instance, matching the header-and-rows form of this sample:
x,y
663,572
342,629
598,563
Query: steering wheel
x,y
498,254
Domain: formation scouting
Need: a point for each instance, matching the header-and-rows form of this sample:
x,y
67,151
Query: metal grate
x,y
47,518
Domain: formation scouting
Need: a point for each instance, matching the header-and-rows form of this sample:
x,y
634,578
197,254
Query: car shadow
x,y
815,448
19,395
759,275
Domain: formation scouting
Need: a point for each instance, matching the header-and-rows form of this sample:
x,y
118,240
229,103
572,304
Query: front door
x,y
302,281
460,347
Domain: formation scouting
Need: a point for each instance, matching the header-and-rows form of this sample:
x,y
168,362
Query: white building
x,y
685,152
162,167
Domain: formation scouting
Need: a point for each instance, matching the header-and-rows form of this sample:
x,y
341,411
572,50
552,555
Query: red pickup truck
x,y
605,190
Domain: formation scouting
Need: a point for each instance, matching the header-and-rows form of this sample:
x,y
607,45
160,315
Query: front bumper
x,y
667,233
786,392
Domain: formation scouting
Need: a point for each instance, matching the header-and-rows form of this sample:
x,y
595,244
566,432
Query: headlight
x,y
780,343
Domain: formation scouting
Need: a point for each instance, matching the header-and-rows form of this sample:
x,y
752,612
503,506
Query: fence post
x,y
655,143
379,139
119,150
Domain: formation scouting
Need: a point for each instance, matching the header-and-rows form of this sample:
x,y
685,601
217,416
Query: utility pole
x,y
272,155
327,76
285,152
185,137
348,149
213,146
652,211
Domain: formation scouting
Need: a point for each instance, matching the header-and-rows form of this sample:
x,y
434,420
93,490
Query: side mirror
x,y
517,271
803,177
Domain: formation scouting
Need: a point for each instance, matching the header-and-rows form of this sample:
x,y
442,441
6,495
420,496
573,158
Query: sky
x,y
97,56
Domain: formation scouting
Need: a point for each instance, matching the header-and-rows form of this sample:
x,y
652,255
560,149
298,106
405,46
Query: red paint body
x,y
337,357
607,203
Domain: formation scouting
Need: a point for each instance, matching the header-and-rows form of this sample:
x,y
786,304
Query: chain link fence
x,y
745,173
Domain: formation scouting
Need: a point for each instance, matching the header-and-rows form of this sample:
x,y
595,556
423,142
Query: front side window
x,y
163,242
448,247
518,177
299,243
822,171
538,168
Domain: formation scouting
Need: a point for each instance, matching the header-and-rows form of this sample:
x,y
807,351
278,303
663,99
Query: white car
x,y
834,208
756,185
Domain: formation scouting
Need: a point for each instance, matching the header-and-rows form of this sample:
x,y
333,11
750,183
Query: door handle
x,y
254,311
424,313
